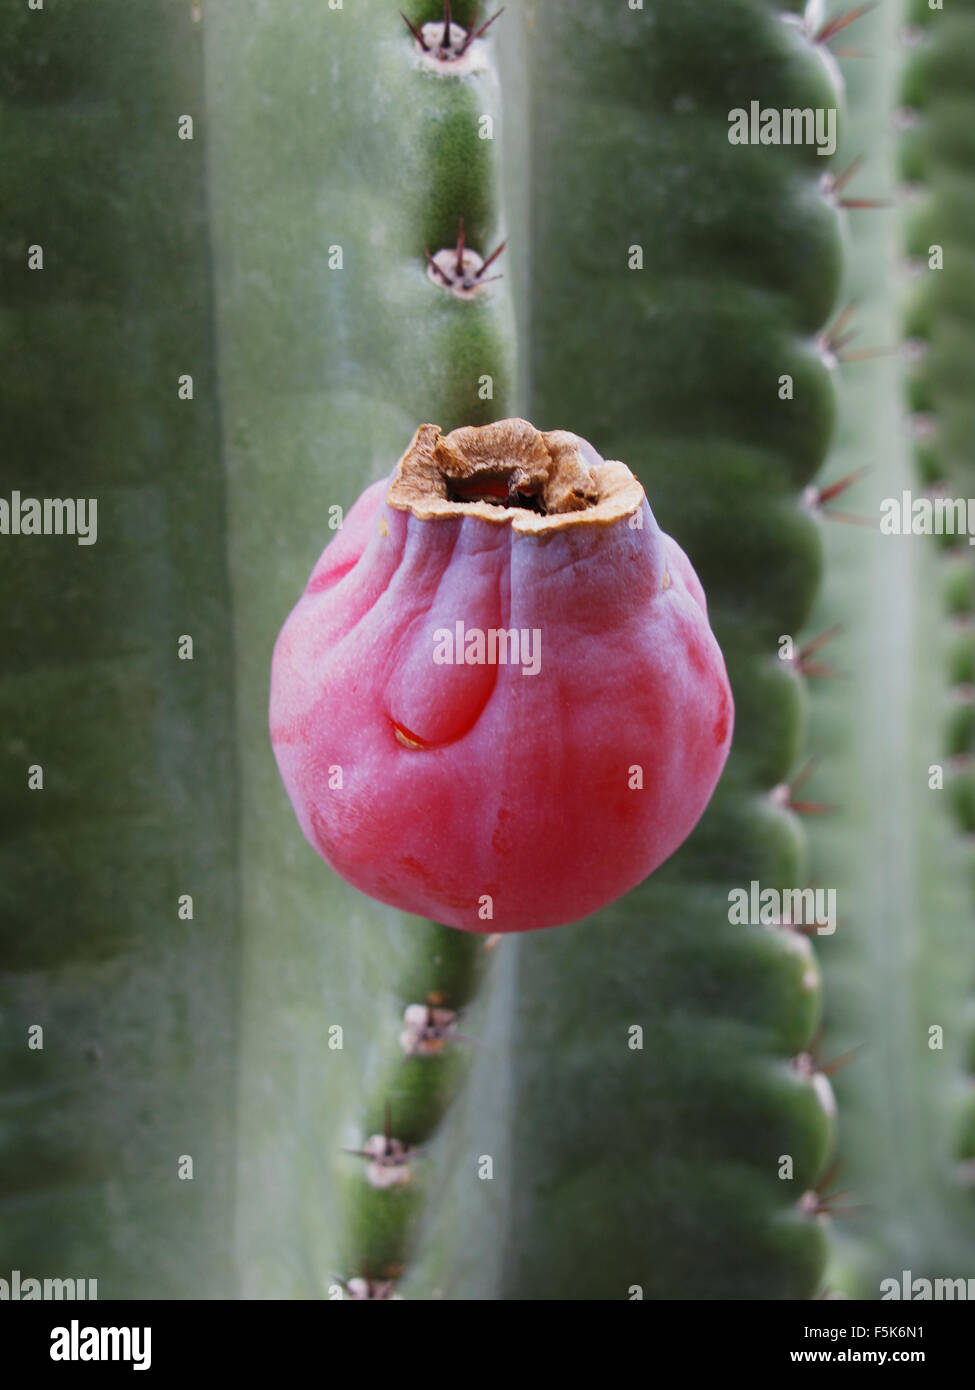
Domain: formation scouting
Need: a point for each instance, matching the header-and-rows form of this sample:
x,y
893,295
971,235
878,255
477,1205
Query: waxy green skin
x,y
938,156
658,1167
138,748
324,131
208,1037
897,965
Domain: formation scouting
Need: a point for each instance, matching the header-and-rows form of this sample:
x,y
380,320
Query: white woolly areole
x,y
473,61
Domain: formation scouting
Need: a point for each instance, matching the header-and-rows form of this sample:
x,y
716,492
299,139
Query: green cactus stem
x,y
659,1054
937,157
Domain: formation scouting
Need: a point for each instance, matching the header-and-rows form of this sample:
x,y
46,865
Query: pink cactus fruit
x,y
498,703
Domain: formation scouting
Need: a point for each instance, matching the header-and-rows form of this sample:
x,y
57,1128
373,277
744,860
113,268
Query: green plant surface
x,y
212,1038
656,1170
900,962
138,1005
342,140
938,157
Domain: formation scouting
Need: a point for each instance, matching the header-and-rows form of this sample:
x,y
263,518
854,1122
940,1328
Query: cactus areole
x,y
498,703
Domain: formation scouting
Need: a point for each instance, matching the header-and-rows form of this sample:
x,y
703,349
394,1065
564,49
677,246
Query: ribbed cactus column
x,y
345,157
938,160
898,969
117,866
662,1133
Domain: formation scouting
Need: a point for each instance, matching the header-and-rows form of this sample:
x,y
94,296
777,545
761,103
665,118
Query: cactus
x,y
938,161
627,1106
900,964
684,1136
135,747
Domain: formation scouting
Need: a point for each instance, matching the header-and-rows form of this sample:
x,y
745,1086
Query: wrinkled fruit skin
x,y
519,808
